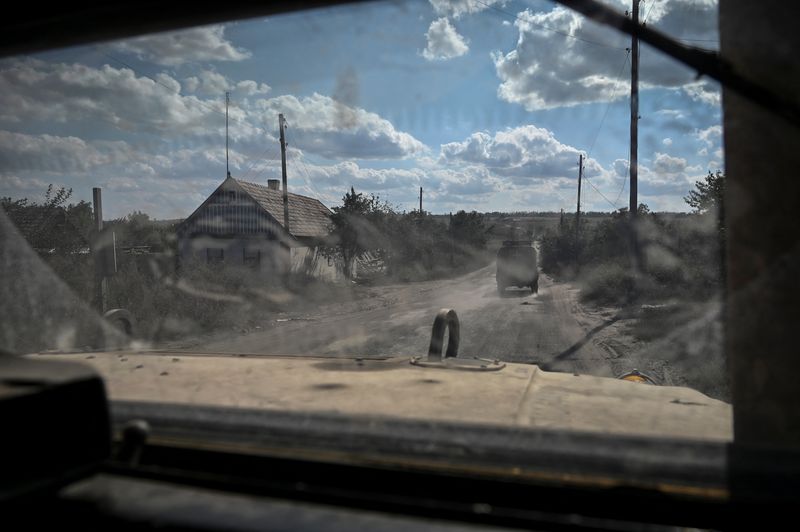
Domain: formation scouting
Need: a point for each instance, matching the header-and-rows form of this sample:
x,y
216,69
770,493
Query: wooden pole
x,y
634,164
282,126
100,283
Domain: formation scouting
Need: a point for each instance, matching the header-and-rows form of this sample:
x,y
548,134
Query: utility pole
x,y
227,102
420,201
634,165
282,126
100,253
578,211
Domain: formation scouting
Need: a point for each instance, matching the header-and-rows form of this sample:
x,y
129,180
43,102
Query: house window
x,y
215,255
251,258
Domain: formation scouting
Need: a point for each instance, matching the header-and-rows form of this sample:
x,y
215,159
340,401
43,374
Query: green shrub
x,y
608,283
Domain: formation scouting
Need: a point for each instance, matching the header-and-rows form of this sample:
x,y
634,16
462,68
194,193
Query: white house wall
x,y
310,261
271,257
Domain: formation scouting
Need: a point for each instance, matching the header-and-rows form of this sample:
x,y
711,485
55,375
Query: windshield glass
x,y
316,186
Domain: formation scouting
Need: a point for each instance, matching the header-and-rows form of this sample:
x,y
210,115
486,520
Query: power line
x,y
600,127
652,3
625,178
548,28
307,176
170,89
598,191
269,150
610,101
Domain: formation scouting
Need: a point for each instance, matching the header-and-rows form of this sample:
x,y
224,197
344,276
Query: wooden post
x,y
282,126
634,164
100,283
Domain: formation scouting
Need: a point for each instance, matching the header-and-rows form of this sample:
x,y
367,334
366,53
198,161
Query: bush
x,y
608,284
679,257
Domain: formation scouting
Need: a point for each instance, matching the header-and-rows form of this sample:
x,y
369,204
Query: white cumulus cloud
x,y
563,59
319,124
524,153
203,44
457,8
444,42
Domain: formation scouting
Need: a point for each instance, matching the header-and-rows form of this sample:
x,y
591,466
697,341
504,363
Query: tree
x,y
469,228
709,194
359,226
138,229
52,225
709,199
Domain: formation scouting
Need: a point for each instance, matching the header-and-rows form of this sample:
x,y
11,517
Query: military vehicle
x,y
517,265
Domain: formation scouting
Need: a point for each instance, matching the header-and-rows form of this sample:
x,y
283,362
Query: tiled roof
x,y
308,217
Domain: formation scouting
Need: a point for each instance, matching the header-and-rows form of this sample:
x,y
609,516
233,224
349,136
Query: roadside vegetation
x,y
410,246
170,302
668,292
673,256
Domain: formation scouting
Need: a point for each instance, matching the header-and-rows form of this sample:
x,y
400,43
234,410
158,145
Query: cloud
x,y
207,82
444,42
470,184
211,83
54,154
667,142
706,92
251,88
464,185
549,69
524,153
205,43
457,8
667,164
710,136
711,140
16,187
99,161
33,90
117,99
620,167
321,125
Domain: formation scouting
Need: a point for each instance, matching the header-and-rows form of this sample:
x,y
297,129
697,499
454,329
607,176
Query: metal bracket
x,y
447,320
121,318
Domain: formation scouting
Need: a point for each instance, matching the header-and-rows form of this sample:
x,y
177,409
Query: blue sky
x,y
485,104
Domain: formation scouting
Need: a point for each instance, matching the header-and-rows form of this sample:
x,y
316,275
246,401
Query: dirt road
x,y
549,329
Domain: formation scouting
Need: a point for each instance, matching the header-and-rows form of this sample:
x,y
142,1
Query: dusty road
x,y
550,329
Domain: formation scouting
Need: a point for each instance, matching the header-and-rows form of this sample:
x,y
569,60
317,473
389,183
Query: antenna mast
x,y
227,101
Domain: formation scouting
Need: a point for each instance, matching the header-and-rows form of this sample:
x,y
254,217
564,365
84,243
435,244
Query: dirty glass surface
x,y
417,138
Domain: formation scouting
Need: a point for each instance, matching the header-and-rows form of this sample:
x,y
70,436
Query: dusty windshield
x,y
322,183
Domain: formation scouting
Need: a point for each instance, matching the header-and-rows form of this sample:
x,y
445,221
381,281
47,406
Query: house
x,y
242,224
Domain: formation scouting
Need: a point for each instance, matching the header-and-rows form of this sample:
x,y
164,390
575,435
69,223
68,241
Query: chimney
x,y
273,184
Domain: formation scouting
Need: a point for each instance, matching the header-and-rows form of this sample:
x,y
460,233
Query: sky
x,y
485,104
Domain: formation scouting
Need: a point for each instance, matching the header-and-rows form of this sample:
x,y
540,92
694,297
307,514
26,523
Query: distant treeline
x,y
412,246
